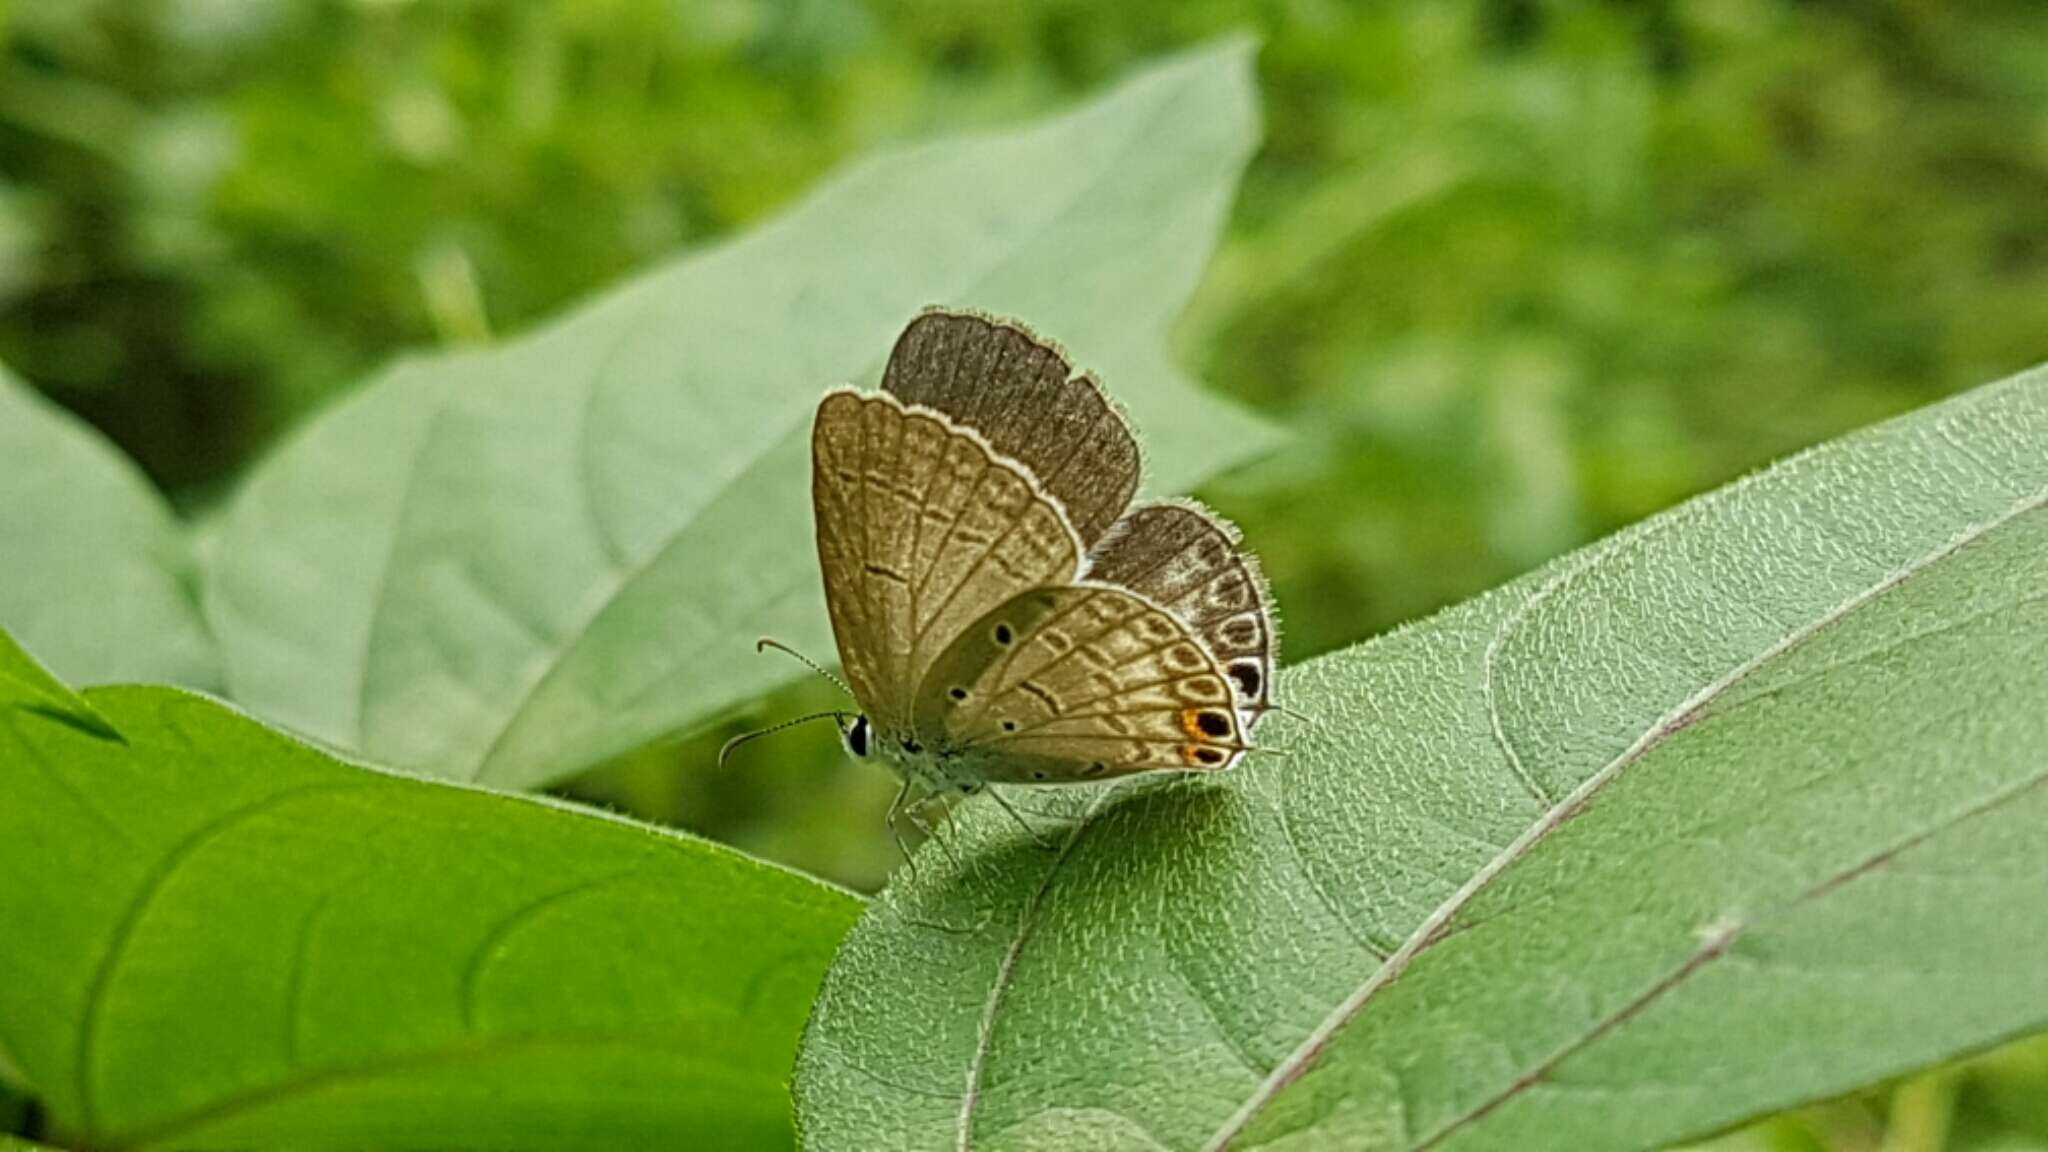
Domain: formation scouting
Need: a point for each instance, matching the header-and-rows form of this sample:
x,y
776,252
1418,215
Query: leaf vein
x,y
1721,940
91,1017
1026,921
467,1048
485,951
1675,720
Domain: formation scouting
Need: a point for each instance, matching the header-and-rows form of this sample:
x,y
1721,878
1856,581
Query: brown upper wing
x,y
921,529
1020,392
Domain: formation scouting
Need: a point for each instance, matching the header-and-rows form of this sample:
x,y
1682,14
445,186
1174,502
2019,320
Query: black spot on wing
x,y
1246,674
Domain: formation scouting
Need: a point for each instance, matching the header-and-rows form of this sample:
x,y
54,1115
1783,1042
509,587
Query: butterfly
x,y
1004,612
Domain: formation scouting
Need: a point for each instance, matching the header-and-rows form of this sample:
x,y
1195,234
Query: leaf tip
x,y
27,685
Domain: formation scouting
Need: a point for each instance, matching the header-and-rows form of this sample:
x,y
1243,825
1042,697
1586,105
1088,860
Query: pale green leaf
x,y
94,570
1741,808
511,564
217,937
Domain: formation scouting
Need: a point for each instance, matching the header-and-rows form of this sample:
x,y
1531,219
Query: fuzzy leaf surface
x,y
1740,808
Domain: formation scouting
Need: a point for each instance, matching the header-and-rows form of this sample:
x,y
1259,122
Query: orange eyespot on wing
x,y
1212,737
1093,681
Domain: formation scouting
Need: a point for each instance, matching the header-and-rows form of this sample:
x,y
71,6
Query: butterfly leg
x,y
931,832
913,812
1041,841
896,808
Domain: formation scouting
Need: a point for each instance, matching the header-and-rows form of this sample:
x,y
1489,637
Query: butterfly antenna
x,y
756,734
767,642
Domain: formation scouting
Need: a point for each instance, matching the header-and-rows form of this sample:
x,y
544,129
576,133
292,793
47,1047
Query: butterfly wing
x,y
921,529
1079,682
1020,392
1186,560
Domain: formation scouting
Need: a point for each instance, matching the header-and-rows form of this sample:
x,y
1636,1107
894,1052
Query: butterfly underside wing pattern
x,y
1003,614
921,530
1079,682
1187,561
1021,393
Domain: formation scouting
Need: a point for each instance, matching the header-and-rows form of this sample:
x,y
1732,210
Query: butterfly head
x,y
935,771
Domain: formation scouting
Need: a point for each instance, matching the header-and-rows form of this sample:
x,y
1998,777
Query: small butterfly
x,y
1004,614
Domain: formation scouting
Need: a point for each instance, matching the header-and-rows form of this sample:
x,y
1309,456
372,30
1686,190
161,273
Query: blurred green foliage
x,y
1517,272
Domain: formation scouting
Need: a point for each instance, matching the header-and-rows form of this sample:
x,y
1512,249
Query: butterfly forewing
x,y
1187,561
1021,393
1079,682
921,529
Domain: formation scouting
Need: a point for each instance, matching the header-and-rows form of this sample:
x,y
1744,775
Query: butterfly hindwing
x,y
1079,682
921,529
1187,561
1021,393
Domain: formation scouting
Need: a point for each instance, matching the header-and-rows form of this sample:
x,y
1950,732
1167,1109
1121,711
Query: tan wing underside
x,y
1020,392
921,529
1079,682
1187,561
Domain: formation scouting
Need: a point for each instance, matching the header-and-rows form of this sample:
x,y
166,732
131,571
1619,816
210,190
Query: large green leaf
x,y
94,571
1740,808
508,565
218,937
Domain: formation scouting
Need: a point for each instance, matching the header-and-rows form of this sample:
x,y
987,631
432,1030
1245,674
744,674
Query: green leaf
x,y
94,568
219,937
1740,808
26,685
509,565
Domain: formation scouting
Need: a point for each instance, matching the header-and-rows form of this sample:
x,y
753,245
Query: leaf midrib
x,y
1432,928
460,1050
1718,943
1026,921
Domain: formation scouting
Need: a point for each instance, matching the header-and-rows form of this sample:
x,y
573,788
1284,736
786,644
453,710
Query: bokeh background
x,y
1514,273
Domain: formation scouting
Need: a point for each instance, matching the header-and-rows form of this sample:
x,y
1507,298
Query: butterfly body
x,y
1003,614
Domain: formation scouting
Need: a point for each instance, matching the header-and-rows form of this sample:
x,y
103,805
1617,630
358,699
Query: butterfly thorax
x,y
930,769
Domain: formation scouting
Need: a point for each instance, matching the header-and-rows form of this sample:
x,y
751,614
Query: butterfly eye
x,y
1246,674
857,737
